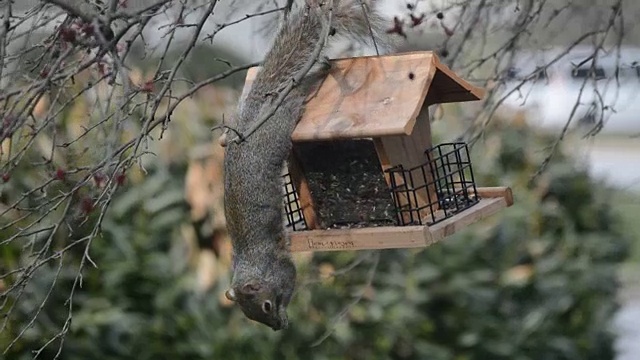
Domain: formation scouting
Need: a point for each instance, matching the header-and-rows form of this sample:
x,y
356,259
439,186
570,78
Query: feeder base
x,y
492,200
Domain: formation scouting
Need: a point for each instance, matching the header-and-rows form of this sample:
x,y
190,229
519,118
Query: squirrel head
x,y
265,299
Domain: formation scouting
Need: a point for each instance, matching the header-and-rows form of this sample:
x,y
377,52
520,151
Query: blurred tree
x,y
536,282
99,250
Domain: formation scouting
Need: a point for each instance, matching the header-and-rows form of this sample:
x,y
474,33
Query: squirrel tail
x,y
353,20
357,20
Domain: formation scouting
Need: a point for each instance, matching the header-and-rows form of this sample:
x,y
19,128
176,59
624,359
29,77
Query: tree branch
x,y
77,8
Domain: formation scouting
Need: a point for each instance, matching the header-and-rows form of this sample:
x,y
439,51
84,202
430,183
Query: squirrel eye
x,y
266,306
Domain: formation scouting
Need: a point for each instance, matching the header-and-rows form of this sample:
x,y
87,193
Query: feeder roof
x,y
376,96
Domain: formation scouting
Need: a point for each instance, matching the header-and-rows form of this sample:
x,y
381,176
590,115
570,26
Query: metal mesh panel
x,y
446,177
292,209
447,171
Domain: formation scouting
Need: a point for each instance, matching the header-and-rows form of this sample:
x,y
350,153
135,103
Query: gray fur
x,y
263,269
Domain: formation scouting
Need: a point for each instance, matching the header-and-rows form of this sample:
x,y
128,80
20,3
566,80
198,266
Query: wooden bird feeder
x,y
364,174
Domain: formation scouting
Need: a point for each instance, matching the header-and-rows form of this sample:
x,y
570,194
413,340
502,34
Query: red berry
x,y
60,174
5,131
6,177
87,205
98,178
416,20
120,178
67,34
398,27
147,86
102,68
447,30
87,28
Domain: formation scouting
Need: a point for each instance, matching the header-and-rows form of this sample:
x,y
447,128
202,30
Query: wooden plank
x,y
385,164
447,87
486,207
375,96
502,192
496,192
386,237
408,151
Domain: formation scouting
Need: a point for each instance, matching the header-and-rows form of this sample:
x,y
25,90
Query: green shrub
x,y
537,281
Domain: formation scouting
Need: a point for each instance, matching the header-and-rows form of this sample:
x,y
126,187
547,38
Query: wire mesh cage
x,y
439,188
293,210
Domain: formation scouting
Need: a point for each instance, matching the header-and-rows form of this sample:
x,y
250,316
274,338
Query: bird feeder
x,y
364,174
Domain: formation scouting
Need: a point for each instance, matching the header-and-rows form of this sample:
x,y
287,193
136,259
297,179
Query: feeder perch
x,y
364,174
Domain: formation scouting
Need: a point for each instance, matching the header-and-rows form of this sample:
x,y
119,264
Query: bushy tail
x,y
358,20
353,20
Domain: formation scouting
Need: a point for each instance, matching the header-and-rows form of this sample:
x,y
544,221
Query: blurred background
x,y
112,235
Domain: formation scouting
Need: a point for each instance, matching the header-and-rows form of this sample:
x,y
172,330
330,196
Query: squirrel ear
x,y
230,295
250,288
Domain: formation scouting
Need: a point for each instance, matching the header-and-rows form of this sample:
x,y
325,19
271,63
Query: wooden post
x,y
304,195
408,151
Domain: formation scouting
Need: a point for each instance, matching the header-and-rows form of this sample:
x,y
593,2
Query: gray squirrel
x,y
264,275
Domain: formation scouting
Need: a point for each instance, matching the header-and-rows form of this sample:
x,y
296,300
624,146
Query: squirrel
x,y
263,271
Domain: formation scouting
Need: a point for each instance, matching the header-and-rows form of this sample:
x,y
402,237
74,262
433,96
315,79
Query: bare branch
x,y
80,9
87,91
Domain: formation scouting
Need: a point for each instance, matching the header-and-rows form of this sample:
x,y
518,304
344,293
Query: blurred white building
x,y
606,90
571,86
